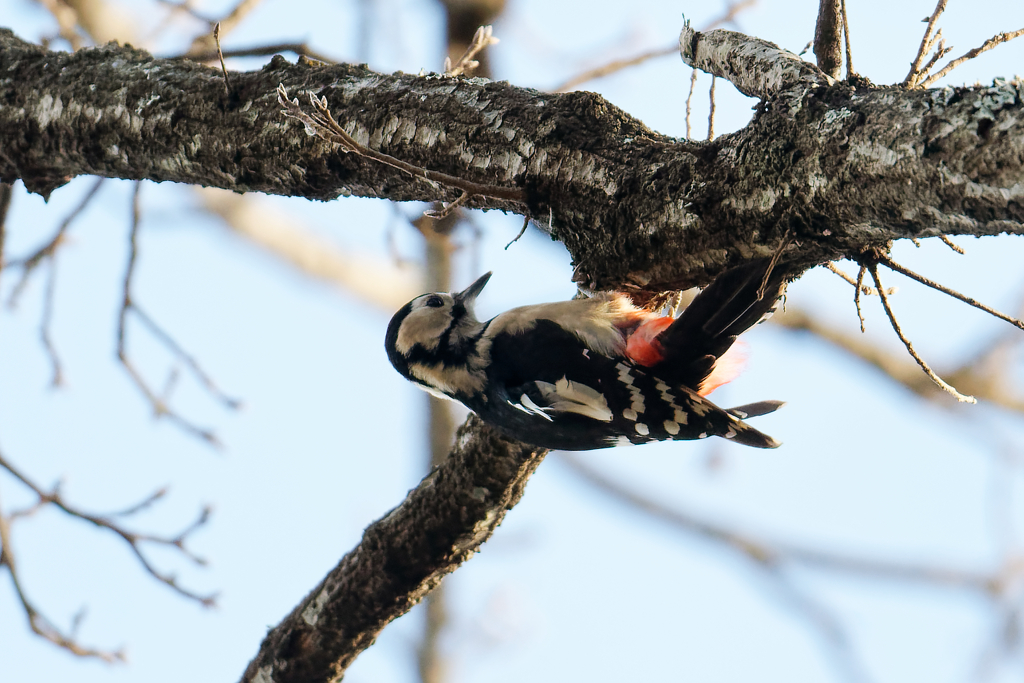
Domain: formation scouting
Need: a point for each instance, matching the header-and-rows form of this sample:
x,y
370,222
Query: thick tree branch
x,y
841,168
401,558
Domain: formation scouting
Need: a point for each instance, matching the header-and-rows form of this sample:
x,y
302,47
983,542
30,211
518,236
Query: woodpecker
x,y
590,373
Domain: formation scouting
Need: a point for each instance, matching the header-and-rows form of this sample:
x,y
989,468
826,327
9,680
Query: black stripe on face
x,y
399,362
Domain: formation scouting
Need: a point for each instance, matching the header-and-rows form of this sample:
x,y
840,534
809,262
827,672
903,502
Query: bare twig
x,y
926,45
963,398
995,40
483,37
160,407
39,624
526,224
892,265
711,111
614,67
47,251
846,37
940,51
982,375
323,124
220,56
447,209
859,287
689,99
858,282
6,192
776,255
134,539
949,243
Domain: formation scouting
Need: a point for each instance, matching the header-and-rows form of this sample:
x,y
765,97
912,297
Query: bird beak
x,y
469,294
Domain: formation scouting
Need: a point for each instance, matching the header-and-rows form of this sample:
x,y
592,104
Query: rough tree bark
x,y
835,168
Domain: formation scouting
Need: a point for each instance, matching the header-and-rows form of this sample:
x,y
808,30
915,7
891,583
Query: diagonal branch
x,y
38,622
892,265
136,541
401,557
128,305
873,269
617,65
992,42
927,41
764,550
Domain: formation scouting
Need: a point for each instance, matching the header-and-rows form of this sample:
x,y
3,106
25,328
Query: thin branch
x,y
771,557
763,550
614,67
447,209
940,51
189,360
617,65
483,37
949,243
322,124
39,624
220,56
711,112
776,255
995,40
526,224
160,408
689,99
873,268
983,374
204,43
892,265
859,287
6,192
47,251
846,38
926,45
859,281
134,540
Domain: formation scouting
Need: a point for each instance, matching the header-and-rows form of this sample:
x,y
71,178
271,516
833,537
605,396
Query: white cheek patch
x,y
572,397
447,380
423,326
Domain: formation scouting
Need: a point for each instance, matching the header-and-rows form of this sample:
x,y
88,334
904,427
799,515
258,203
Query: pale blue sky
x,y
573,586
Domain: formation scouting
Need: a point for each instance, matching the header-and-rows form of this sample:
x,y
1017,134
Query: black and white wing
x,y
548,388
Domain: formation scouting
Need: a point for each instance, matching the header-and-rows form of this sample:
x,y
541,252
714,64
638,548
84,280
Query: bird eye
x,y
434,301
